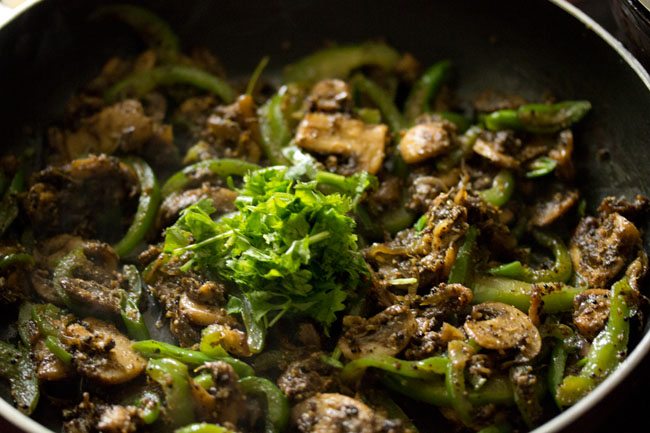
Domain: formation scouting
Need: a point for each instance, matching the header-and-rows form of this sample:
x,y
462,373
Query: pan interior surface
x,y
534,49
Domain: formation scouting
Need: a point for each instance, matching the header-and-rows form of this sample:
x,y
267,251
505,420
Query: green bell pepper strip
x,y
496,390
541,167
497,428
17,366
606,351
129,311
55,346
9,202
339,62
463,268
174,380
378,398
25,324
148,405
462,123
64,269
458,352
157,349
148,205
426,89
368,227
221,167
277,406
423,369
154,30
204,380
203,427
518,293
16,259
369,115
421,223
274,129
140,83
560,272
255,76
556,367
382,100
538,118
503,185
397,219
210,344
43,315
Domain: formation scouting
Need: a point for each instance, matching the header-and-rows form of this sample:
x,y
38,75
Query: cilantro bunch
x,y
290,249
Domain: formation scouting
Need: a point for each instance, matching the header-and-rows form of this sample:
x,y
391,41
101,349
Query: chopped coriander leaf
x,y
290,249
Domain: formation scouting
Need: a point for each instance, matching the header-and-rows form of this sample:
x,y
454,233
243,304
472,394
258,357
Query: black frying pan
x,y
532,48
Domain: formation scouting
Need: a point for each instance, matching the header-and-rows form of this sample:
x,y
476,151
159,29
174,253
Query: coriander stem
x,y
204,242
318,237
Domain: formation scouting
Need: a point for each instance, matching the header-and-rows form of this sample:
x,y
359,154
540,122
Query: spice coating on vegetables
x,y
307,251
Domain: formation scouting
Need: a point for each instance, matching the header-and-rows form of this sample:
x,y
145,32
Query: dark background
x,y
626,409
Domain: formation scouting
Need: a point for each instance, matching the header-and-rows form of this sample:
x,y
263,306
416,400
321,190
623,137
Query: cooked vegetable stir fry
x,y
194,254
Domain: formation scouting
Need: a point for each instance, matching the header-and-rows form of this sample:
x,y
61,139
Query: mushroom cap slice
x,y
337,413
342,135
498,326
425,141
590,311
386,333
102,353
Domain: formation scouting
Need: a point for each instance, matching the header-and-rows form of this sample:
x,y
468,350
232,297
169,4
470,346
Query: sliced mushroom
x,y
101,352
307,377
386,333
590,311
424,189
233,340
601,247
233,130
120,125
94,283
223,200
494,147
425,141
330,95
498,326
88,197
48,366
118,419
201,314
549,210
562,154
336,413
224,402
447,224
446,302
341,135
538,291
633,210
93,415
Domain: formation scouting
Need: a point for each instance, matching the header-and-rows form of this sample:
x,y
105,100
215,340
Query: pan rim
x,y
557,423
641,350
